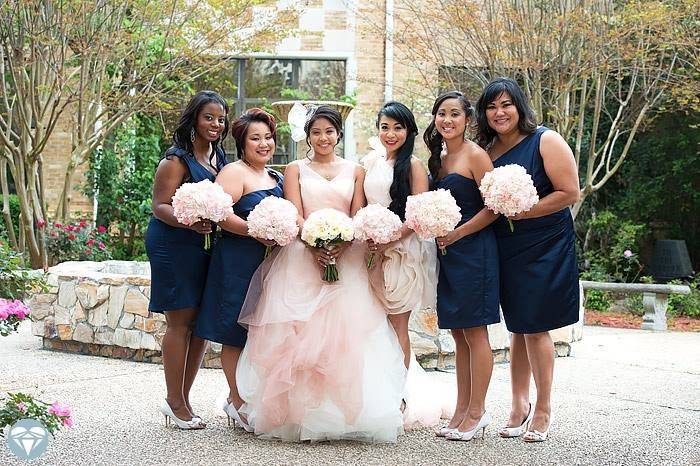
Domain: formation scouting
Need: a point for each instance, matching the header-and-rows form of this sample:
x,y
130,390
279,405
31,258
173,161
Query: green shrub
x,y
613,246
14,216
596,300
15,280
685,305
121,177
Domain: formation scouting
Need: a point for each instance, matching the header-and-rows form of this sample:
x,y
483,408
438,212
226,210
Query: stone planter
x,y
101,308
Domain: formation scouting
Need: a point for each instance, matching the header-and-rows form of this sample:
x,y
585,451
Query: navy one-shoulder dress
x,y
178,260
539,273
234,261
467,293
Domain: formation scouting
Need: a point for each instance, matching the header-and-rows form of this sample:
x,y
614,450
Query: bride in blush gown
x,y
321,361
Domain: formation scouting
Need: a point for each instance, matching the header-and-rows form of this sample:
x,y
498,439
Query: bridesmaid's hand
x,y
266,242
378,248
203,227
444,241
520,216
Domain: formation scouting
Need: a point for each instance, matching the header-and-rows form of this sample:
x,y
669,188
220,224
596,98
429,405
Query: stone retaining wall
x,y
101,308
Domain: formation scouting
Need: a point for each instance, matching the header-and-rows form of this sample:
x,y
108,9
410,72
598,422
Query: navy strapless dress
x,y
234,261
178,260
539,273
467,293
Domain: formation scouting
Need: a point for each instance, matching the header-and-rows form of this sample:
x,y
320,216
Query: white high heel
x,y
511,432
532,436
193,424
468,435
232,413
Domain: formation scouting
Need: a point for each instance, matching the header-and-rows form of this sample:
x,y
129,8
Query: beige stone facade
x,y
354,31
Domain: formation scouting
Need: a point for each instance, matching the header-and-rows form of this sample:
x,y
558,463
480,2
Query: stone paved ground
x,y
624,397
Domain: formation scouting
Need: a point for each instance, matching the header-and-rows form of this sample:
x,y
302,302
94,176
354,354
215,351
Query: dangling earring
x,y
192,135
433,133
443,152
466,136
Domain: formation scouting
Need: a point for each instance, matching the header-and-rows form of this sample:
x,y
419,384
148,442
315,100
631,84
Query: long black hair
x,y
527,121
401,185
433,139
182,137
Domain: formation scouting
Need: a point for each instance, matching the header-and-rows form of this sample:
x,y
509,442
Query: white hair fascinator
x,y
297,118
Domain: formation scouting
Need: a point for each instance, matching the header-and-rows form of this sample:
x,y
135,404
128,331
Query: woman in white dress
x,y
405,280
321,361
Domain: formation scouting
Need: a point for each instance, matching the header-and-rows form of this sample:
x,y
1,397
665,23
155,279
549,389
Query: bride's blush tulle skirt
x,y
321,361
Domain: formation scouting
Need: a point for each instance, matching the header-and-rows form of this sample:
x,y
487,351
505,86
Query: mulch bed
x,y
627,320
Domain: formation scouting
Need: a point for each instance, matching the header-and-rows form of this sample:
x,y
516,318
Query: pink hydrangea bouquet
x,y
205,200
274,218
22,406
12,312
377,223
508,190
432,214
327,228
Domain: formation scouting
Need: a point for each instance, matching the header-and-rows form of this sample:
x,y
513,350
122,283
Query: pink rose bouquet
x,y
12,312
508,190
432,214
326,228
205,200
377,223
274,218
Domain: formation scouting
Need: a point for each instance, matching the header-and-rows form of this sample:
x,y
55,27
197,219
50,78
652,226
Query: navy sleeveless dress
x,y
467,292
178,260
234,261
539,273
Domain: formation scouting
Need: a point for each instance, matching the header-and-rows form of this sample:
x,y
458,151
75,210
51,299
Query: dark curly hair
x,y
401,185
239,128
188,121
433,139
527,123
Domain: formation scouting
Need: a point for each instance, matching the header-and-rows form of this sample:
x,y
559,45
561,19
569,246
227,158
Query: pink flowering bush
x,y
12,312
432,214
77,241
377,223
274,218
204,200
508,190
21,406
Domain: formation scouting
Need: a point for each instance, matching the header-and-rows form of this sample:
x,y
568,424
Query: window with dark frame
x,y
258,82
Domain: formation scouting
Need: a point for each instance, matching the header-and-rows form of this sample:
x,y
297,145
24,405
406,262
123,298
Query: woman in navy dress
x,y
467,294
236,255
178,260
539,274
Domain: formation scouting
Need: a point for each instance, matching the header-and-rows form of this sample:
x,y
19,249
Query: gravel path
x,y
624,397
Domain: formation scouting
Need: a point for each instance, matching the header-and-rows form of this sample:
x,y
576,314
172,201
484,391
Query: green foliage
x,y
121,177
76,242
685,305
14,216
659,183
596,300
612,247
21,406
15,280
